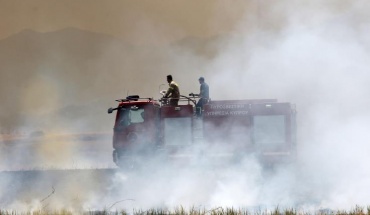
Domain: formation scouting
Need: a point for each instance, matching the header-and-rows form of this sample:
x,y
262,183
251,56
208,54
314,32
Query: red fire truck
x,y
227,130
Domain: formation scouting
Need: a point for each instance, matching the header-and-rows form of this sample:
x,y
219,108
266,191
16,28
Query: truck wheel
x,y
123,161
115,156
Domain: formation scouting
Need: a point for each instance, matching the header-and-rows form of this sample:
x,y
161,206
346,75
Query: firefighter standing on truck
x,y
203,96
173,92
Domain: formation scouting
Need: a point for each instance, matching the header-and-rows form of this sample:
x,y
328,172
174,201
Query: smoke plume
x,y
313,54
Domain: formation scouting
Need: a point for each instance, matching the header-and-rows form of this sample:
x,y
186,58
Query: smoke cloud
x,y
313,54
317,58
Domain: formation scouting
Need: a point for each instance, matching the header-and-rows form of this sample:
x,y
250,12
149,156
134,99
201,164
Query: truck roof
x,y
244,101
138,102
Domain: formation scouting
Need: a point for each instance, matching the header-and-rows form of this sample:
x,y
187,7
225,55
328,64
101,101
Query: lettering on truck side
x,y
228,106
227,113
227,110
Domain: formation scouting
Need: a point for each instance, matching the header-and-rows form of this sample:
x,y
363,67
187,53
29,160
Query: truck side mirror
x,y
110,110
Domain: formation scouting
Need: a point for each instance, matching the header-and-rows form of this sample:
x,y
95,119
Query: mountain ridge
x,y
72,67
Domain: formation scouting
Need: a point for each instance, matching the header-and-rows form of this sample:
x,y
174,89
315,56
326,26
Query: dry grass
x,y
193,211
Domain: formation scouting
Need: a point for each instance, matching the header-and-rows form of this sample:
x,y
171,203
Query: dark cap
x,y
201,79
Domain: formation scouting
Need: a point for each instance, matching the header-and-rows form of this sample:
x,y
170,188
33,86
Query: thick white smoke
x,y
311,53
318,59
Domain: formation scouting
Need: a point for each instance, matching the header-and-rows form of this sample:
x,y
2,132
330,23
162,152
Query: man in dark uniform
x,y
203,96
173,92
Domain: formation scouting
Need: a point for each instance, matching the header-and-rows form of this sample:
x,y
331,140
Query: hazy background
x,y
62,64
59,57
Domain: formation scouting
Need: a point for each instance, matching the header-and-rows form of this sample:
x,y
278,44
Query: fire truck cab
x,y
228,128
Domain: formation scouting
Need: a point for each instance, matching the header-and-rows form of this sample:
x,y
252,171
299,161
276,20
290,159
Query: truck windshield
x,y
269,130
130,115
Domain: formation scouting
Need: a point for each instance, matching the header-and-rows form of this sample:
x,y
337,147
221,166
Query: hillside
x,y
68,78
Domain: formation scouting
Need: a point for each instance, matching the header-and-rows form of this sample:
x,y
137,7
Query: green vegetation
x,y
193,211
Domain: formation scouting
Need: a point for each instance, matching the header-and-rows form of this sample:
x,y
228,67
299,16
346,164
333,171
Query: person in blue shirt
x,y
203,96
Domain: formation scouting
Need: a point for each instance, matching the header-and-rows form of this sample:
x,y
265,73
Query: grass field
x,y
38,190
357,210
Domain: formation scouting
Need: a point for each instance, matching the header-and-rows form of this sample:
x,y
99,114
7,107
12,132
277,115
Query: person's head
x,y
201,80
169,78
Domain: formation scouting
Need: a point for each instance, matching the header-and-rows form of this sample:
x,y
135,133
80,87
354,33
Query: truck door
x,y
135,127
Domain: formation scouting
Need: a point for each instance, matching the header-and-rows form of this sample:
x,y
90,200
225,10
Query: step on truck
x,y
227,130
